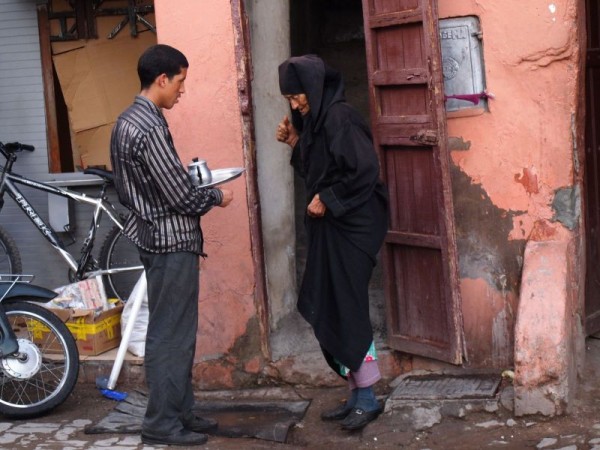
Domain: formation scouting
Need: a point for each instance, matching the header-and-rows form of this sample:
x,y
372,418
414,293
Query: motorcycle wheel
x,y
43,373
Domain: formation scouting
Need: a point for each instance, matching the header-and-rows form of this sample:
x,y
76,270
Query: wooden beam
x,y
49,94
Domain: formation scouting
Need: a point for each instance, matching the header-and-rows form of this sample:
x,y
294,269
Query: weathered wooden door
x,y
592,169
408,118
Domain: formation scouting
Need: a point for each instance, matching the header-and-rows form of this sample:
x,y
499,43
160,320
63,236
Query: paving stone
x,y
9,438
65,433
130,440
26,428
423,418
546,442
489,424
107,442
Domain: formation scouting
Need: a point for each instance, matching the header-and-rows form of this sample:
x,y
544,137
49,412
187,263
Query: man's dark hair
x,y
157,60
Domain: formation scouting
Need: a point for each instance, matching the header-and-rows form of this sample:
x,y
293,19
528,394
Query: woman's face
x,y
299,102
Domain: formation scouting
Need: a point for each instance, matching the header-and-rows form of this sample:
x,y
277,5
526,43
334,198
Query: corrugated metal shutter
x,y
22,119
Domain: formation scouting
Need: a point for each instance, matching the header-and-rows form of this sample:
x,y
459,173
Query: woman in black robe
x,y
346,221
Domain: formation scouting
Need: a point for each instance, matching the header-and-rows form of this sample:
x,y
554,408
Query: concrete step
x,y
91,367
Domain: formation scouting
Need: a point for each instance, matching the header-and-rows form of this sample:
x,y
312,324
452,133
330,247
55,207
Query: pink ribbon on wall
x,y
473,98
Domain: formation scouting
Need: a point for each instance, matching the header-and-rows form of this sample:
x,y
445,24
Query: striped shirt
x,y
165,207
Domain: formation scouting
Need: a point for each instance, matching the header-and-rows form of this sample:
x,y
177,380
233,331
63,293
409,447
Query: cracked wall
x,y
512,166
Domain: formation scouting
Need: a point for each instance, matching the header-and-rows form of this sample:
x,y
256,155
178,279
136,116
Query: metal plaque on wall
x,y
462,62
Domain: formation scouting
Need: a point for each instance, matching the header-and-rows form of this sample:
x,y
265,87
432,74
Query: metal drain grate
x,y
444,387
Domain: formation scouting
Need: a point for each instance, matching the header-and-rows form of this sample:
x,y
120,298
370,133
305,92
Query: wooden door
x,y
592,169
408,118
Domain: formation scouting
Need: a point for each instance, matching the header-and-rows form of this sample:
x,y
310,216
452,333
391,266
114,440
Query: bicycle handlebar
x,y
13,147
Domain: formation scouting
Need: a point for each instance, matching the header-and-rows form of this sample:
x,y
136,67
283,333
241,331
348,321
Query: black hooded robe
x,y
336,158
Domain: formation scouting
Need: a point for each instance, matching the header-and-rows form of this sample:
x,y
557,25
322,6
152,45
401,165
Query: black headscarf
x,y
321,84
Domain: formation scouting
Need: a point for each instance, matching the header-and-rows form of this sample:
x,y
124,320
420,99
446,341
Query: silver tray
x,y
220,176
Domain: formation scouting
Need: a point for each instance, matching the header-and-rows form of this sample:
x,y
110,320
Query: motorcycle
x,y
39,360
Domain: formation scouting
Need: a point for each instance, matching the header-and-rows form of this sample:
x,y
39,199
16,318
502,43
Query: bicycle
x,y
118,261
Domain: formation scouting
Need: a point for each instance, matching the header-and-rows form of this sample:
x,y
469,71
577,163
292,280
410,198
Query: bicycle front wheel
x,y
44,371
10,259
119,252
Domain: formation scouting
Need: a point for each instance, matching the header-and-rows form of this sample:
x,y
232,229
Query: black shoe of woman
x,y
338,413
359,418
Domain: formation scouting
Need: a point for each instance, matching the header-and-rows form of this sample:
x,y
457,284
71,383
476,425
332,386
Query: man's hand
x,y
286,132
316,208
227,197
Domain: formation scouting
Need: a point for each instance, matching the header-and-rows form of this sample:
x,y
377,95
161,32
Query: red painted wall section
x,y
509,162
206,123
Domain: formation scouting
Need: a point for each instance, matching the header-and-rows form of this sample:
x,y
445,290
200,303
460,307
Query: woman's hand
x,y
286,132
316,208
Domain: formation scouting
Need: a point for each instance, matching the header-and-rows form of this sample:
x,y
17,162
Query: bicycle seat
x,y
106,174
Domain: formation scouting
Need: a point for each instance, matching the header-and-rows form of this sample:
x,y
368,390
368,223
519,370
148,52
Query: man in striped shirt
x,y
164,222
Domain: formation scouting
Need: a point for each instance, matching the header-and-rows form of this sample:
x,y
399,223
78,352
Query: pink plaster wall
x,y
521,151
547,330
530,66
206,123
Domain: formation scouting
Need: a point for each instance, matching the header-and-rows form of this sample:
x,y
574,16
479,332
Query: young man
x,y
164,222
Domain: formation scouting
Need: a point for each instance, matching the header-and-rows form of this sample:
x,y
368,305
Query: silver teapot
x,y
199,171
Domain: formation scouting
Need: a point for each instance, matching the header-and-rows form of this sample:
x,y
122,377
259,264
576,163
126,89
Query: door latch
x,y
426,137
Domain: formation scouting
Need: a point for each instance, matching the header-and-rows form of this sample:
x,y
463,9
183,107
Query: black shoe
x,y
358,418
182,438
338,413
199,424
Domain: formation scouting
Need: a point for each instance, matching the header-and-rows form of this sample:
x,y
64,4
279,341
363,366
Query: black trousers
x,y
171,338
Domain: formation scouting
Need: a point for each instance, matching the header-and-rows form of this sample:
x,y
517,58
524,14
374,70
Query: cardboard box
x,y
94,334
98,78
93,147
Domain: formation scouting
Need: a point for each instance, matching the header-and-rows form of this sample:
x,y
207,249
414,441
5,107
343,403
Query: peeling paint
x,y
576,164
567,206
246,350
247,344
529,180
502,339
482,234
543,231
458,143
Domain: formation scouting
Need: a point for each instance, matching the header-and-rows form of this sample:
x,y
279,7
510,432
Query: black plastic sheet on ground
x,y
269,420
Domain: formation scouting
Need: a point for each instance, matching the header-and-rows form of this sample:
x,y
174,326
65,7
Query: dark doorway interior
x,y
334,30
592,168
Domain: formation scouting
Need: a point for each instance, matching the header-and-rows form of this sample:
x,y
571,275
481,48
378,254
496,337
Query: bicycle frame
x,y
100,205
